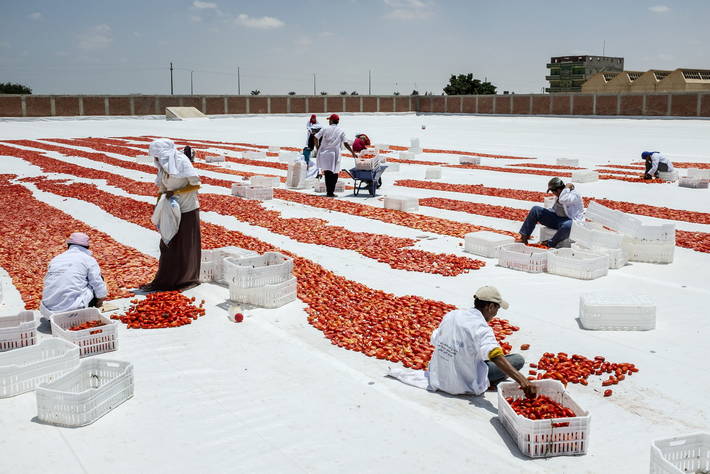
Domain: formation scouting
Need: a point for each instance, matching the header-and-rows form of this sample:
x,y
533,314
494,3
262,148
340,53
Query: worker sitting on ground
x,y
73,279
360,143
467,357
655,162
567,208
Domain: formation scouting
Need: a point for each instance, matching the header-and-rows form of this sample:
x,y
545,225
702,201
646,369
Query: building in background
x,y
653,80
648,82
568,73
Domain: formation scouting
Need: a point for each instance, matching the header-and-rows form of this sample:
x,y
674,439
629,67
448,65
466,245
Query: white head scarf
x,y
170,160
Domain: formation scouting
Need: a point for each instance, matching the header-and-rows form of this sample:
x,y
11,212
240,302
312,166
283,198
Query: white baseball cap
x,y
491,294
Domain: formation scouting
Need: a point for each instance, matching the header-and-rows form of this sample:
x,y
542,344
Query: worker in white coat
x,y
655,162
73,279
330,140
467,357
568,208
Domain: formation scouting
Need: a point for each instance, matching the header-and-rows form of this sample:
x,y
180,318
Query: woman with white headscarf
x,y
179,266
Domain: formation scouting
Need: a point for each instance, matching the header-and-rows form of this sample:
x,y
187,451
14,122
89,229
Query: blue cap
x,y
646,154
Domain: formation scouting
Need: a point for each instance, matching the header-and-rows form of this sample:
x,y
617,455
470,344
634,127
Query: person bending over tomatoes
x,y
467,357
655,162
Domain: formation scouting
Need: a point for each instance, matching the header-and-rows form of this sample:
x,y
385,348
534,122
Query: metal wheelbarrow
x,y
366,179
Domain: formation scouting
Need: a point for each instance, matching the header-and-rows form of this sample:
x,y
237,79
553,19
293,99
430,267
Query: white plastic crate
x,y
668,175
470,160
567,162
287,157
246,191
367,163
402,203
296,174
700,173
406,155
575,264
690,182
221,271
392,167
545,438
207,266
214,159
616,311
629,225
546,233
145,160
274,149
549,202
22,370
18,330
521,257
595,236
259,270
584,176
255,155
432,172
415,143
265,181
85,394
617,257
681,454
649,251
319,186
268,296
91,341
485,243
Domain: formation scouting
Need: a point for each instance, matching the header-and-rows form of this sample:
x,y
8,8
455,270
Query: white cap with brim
x,y
491,294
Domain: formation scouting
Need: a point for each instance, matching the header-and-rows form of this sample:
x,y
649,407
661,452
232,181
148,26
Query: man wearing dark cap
x,y
330,140
567,208
655,162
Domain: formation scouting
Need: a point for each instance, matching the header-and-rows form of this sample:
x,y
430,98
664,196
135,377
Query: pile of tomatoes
x,y
541,407
578,369
87,325
167,309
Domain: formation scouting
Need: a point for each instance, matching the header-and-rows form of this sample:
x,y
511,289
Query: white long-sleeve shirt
x,y
331,140
572,203
656,159
73,279
462,344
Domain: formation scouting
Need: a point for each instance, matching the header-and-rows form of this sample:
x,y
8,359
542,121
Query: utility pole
x,y
369,82
171,78
603,47
239,83
192,91
314,83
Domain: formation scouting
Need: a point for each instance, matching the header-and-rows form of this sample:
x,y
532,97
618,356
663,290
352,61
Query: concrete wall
x,y
604,104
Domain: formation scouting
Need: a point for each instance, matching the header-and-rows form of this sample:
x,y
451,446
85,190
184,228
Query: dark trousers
x,y
496,375
548,218
661,167
330,181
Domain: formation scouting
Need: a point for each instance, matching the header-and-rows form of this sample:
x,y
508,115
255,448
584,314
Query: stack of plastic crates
x,y
567,162
691,182
591,237
319,186
470,160
85,394
616,311
215,268
207,266
296,174
264,280
91,341
576,264
550,437
699,173
401,203
681,454
432,172
368,163
521,257
584,176
246,191
18,330
22,370
485,243
668,175
265,181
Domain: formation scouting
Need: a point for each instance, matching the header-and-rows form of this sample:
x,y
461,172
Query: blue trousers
x,y
548,218
496,375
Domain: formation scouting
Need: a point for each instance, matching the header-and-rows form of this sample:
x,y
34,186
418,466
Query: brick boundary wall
x,y
679,104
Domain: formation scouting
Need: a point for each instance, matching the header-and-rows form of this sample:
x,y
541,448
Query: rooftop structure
x,y
568,73
653,80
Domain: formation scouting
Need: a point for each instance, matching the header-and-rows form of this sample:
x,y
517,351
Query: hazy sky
x,y
119,47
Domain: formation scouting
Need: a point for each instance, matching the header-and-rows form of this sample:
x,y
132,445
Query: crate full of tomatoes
x,y
552,424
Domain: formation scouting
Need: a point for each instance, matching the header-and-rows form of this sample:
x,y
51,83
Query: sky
x,y
125,47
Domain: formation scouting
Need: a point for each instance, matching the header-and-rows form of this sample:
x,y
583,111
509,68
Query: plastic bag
x,y
166,217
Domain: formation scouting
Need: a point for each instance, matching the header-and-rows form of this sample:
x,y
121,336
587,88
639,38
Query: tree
x,y
292,93
255,92
13,88
323,93
343,92
415,92
465,84
354,93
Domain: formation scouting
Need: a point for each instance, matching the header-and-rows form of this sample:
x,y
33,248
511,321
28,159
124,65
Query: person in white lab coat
x,y
330,140
73,279
467,357
655,162
568,207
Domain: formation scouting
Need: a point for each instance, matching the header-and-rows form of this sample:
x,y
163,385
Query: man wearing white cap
x,y
73,279
467,358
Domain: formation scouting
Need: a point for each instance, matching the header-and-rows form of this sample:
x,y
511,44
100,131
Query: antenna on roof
x,y
603,47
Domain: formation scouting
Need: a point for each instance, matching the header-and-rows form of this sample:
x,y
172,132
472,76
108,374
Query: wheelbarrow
x,y
367,179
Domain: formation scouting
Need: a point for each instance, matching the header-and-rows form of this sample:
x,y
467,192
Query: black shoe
x,y
330,195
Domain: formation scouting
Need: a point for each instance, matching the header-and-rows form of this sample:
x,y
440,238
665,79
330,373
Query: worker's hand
x,y
100,302
570,186
646,176
529,389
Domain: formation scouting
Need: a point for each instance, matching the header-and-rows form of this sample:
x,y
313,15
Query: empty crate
x,y
367,163
668,175
584,176
681,454
255,155
546,233
265,181
319,186
18,330
689,182
393,167
145,160
22,370
221,271
402,203
649,251
616,311
575,264
406,155
207,265
521,257
259,193
545,438
85,394
214,158
296,174
699,173
567,162
486,244
274,149
273,295
433,172
470,160
549,201
595,236
91,341
617,257
259,270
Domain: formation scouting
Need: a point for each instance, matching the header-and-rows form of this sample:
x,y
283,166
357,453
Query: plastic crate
x,y
432,172
221,272
85,394
546,233
103,339
267,296
367,163
668,175
699,173
485,243
145,160
259,193
545,438
319,186
255,155
274,149
393,167
613,219
18,330
265,181
22,370
616,311
406,155
470,160
382,146
649,251
567,162
576,264
296,174
207,266
549,202
521,257
690,182
584,176
681,454
259,270
214,159
594,236
617,257
402,203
